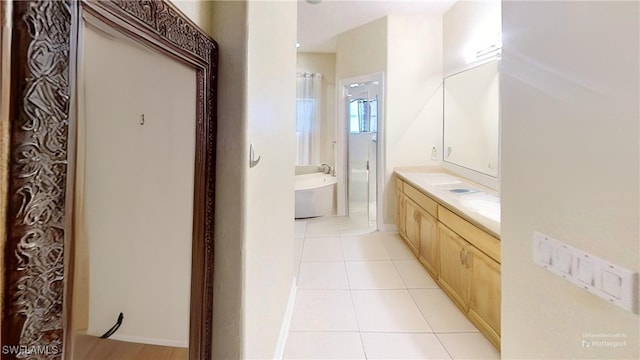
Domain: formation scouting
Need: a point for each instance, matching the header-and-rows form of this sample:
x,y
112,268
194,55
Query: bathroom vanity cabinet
x,y
401,221
417,221
463,258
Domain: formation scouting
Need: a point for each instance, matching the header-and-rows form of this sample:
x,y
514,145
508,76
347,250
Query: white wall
x,y
254,223
362,51
269,247
229,29
413,96
136,182
198,11
468,26
570,135
408,49
324,63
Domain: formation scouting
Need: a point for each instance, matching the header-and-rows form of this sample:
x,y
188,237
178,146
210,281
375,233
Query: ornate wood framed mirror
x,y
46,131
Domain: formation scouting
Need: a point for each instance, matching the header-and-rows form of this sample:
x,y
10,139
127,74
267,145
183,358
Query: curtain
x,y
308,108
363,115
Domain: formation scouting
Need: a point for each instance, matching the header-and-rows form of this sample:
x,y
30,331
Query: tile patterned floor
x,y
363,295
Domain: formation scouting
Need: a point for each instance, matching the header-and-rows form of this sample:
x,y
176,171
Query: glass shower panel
x,y
362,152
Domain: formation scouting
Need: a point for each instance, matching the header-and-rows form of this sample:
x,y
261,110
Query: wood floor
x,y
93,348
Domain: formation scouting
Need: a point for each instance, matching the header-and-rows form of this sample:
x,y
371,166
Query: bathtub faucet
x,y
326,168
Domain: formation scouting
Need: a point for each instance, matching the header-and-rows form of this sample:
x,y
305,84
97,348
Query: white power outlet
x,y
613,283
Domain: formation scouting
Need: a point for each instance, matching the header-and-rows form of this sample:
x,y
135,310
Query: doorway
x,y
362,156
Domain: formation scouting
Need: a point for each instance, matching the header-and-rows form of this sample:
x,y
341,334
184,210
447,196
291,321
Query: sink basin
x,y
460,191
458,188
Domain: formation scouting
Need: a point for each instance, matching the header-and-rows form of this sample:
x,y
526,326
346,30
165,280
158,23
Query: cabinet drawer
x,y
422,200
480,239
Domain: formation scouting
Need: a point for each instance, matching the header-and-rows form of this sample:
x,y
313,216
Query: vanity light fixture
x,y
492,49
484,46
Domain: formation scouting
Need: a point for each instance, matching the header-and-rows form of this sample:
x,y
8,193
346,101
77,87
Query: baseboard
x,y
286,322
390,228
150,341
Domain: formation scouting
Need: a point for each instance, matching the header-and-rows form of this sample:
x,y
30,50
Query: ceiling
x,y
319,24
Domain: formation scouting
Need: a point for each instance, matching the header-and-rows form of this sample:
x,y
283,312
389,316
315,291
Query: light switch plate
x,y
586,270
613,283
564,260
628,282
542,251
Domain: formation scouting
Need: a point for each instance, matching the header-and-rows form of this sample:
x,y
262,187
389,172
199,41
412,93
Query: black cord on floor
x,y
114,328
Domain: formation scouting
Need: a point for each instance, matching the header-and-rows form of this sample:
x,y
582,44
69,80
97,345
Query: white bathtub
x,y
315,195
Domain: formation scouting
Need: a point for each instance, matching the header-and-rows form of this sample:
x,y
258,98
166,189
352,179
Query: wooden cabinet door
x,y
454,276
412,225
429,248
400,214
485,293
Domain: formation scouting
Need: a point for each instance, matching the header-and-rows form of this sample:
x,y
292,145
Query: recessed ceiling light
x,y
314,2
297,44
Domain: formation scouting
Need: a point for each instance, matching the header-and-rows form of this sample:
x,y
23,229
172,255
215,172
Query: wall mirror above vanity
x,y
471,129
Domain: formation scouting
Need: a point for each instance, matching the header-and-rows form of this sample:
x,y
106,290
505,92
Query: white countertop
x,y
473,202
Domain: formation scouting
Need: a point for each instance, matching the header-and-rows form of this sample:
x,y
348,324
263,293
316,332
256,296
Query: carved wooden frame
x,y
39,242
